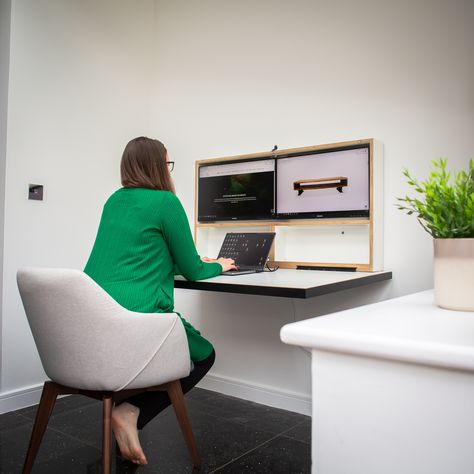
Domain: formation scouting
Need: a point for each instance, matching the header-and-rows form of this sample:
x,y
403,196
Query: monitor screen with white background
x,y
329,183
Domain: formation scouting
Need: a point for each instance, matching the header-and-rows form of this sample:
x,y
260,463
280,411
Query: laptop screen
x,y
249,250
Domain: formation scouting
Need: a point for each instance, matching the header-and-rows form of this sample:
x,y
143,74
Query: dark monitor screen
x,y
236,190
324,183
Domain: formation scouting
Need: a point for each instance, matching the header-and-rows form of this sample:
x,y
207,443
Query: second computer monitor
x,y
326,183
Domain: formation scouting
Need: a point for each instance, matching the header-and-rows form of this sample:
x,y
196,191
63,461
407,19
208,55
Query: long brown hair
x,y
144,165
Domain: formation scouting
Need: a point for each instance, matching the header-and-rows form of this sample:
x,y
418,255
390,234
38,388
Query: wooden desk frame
x,y
374,223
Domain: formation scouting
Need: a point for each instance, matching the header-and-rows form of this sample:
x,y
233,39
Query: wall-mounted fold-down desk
x,y
263,352
286,283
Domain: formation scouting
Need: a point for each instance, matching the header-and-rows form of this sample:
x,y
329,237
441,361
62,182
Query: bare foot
x,y
124,426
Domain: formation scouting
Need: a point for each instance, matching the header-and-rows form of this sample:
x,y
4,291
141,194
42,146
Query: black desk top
x,y
286,283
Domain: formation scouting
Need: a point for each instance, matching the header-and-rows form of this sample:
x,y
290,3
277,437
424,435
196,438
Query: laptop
x,y
249,251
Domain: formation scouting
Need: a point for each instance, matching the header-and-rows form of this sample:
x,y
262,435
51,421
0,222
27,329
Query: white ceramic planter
x,y
454,273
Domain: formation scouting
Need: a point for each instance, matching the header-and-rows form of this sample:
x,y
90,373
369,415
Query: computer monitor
x,y
324,183
239,190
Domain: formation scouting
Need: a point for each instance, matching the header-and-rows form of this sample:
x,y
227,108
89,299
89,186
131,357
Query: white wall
x,y
5,11
80,79
215,78
239,77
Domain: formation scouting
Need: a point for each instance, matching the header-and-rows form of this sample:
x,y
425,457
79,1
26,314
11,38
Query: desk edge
x,y
283,292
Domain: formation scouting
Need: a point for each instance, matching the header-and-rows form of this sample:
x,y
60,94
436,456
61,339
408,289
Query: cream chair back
x,y
86,340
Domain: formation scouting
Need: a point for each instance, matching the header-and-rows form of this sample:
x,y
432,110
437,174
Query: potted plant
x,y
444,207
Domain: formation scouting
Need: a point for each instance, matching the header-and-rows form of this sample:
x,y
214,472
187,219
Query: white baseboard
x,y
264,394
16,399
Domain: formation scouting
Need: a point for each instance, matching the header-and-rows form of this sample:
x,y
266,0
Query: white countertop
x,y
410,328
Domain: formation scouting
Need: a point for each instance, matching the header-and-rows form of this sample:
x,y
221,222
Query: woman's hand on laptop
x,y
226,264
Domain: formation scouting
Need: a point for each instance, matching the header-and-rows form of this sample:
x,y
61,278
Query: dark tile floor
x,y
233,435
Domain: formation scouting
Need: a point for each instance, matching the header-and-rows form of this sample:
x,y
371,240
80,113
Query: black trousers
x,y
152,403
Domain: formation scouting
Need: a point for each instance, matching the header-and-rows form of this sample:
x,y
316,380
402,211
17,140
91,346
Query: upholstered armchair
x,y
91,345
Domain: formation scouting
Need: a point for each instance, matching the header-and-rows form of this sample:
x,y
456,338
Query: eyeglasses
x,y
170,165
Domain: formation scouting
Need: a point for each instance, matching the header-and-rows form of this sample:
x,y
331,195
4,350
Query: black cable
x,y
270,269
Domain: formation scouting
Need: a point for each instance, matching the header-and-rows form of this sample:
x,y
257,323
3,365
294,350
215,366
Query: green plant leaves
x,y
445,205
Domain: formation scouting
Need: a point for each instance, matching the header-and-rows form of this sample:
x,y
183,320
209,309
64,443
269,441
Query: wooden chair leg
x,y
107,404
177,399
43,413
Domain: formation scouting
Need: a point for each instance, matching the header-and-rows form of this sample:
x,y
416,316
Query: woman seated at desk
x,y
143,236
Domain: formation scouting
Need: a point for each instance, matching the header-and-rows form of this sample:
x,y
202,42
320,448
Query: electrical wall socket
x,y
35,192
